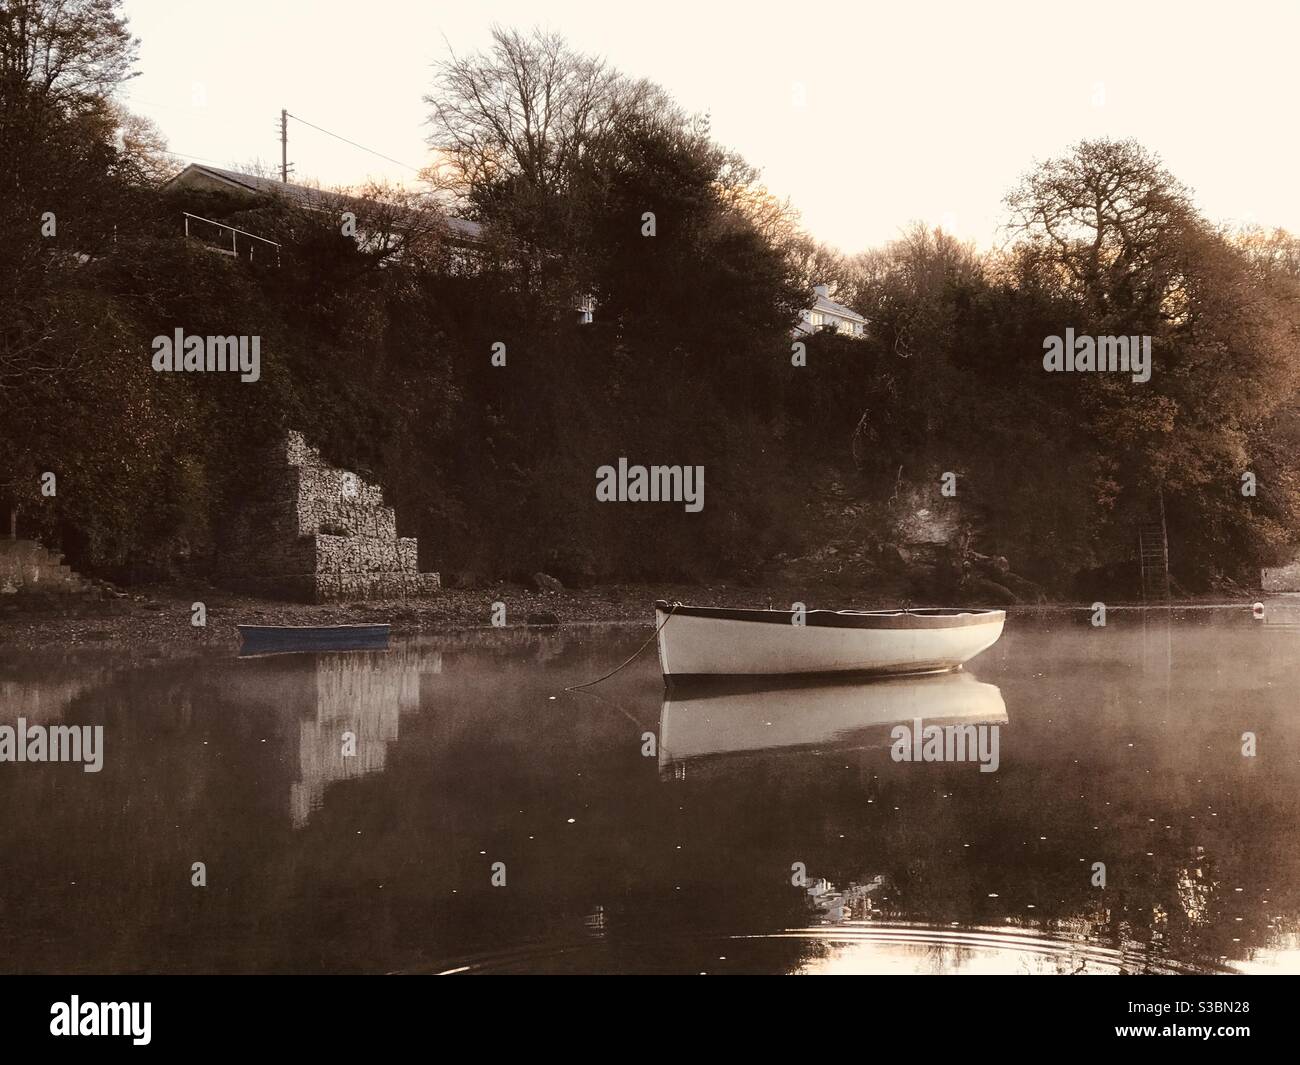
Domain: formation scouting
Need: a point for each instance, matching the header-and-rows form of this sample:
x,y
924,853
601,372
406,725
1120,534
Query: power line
x,y
354,144
189,109
296,118
200,158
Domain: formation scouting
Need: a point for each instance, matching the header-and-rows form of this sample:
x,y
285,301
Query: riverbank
x,y
160,615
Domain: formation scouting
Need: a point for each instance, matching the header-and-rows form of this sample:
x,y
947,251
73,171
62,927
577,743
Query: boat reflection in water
x,y
705,718
256,641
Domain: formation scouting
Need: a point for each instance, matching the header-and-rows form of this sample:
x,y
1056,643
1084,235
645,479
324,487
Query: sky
x,y
868,116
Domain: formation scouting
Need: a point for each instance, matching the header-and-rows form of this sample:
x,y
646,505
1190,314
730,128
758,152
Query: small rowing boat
x,y
286,639
697,641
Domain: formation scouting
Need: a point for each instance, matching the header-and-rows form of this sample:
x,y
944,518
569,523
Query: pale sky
x,y
867,115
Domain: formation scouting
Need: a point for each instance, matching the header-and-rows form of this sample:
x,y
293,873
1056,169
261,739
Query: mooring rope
x,y
592,683
611,702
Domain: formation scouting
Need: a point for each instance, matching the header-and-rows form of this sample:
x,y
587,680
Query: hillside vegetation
x,y
380,351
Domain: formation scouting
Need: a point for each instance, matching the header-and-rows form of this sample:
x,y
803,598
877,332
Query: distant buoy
x,y
1258,611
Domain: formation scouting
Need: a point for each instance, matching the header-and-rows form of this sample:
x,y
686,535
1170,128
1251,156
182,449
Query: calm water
x,y
650,831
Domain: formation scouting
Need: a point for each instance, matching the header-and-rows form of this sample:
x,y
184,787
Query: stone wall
x,y
1281,578
28,568
315,532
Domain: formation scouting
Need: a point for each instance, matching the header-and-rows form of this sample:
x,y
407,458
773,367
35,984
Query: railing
x,y
235,234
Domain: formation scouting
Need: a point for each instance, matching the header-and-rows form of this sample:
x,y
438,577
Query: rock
x,y
985,589
992,565
543,617
894,555
1026,589
546,583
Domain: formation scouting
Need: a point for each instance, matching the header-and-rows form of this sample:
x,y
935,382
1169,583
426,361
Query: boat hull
x,y
702,641
289,639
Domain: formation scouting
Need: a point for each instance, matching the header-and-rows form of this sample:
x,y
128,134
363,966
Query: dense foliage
x,y
381,350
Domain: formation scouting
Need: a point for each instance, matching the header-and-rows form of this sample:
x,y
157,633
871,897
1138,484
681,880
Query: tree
x,y
144,146
60,169
1111,233
527,109
64,52
590,183
63,189
1106,217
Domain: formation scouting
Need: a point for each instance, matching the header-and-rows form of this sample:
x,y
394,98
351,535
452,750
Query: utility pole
x,y
284,145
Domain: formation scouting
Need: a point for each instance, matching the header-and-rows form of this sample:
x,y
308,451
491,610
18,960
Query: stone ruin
x,y
313,532
27,568
1281,578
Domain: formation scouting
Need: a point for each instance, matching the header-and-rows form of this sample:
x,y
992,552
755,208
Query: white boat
x,y
722,717
697,641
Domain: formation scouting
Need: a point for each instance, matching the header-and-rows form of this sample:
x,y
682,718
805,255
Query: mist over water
x,y
1120,745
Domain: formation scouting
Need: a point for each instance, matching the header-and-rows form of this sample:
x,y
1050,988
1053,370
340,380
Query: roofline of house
x,y
838,309
460,227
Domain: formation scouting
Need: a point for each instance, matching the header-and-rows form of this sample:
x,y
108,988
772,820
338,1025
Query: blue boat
x,y
288,639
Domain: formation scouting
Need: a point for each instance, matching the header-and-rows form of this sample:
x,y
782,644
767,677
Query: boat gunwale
x,y
922,618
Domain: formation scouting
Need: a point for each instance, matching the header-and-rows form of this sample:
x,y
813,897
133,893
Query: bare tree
x,y
906,286
528,108
1106,218
1275,253
144,144
64,51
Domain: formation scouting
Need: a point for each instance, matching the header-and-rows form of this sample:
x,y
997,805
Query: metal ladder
x,y
1153,556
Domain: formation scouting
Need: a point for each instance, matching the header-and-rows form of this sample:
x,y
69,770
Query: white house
x,y
826,313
